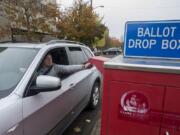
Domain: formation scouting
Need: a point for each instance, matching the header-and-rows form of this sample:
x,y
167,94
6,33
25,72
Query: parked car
x,y
51,104
97,53
112,51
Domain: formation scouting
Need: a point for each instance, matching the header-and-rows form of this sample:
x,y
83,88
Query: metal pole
x,y
91,4
12,35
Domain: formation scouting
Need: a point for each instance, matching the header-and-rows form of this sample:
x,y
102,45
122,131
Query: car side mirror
x,y
46,83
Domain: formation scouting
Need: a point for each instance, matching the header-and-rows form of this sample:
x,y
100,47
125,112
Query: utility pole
x,y
91,4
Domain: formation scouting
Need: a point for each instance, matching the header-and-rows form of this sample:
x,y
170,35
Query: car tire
x,y
95,96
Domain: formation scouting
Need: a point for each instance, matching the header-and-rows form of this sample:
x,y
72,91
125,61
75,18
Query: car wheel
x,y
95,96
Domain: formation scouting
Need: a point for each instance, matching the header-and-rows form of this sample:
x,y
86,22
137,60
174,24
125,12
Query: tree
x,y
114,42
81,23
4,31
30,16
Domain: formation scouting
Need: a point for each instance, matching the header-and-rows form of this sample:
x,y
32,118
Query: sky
x,y
117,12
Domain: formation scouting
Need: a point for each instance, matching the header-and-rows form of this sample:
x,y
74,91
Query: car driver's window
x,y
55,56
59,57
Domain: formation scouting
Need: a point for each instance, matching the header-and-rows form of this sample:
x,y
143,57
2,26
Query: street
x,y
84,123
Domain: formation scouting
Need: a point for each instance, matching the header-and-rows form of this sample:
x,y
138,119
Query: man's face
x,y
48,61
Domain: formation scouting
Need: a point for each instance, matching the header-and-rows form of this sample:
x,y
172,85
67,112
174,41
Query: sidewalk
x,y
97,127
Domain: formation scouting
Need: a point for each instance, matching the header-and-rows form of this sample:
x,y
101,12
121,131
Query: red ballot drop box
x,y
141,94
141,97
98,61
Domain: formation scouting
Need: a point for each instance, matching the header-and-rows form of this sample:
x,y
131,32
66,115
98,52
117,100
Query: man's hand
x,y
88,65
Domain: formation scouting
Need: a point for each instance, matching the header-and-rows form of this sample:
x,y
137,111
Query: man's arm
x,y
67,69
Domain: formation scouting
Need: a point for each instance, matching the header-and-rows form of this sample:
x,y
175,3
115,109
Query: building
x,y
48,1
18,34
3,23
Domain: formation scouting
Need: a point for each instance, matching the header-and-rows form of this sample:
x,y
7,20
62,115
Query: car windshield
x,y
13,64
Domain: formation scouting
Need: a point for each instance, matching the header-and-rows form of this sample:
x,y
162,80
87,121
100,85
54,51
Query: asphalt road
x,y
84,123
109,56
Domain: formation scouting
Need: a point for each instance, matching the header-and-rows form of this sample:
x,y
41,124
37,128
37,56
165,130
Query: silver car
x,y
23,110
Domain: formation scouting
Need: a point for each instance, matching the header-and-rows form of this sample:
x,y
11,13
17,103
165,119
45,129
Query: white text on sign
x,y
150,34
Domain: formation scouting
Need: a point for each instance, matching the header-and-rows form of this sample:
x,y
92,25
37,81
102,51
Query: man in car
x,y
51,69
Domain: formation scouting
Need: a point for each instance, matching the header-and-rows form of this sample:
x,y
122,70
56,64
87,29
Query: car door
x,y
82,79
42,112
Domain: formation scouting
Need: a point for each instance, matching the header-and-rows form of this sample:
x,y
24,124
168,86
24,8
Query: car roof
x,y
39,45
21,45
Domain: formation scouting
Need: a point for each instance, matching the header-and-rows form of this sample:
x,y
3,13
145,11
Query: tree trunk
x,y
29,38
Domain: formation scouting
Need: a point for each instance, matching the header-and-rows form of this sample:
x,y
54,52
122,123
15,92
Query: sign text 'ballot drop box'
x,y
141,92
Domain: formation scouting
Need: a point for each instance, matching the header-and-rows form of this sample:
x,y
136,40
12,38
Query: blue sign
x,y
155,39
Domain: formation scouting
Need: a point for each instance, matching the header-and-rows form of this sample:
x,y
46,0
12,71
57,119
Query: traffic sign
x,y
152,39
